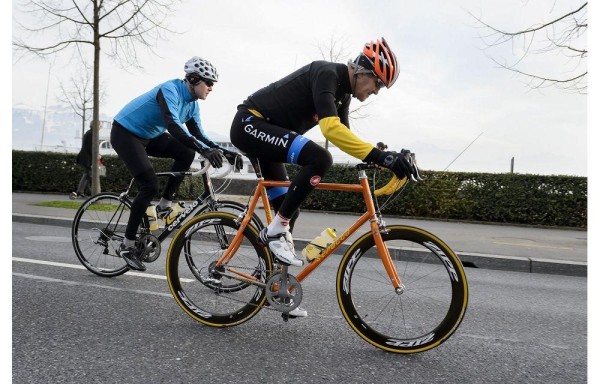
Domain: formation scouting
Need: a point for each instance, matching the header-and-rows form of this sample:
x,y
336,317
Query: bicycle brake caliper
x,y
381,223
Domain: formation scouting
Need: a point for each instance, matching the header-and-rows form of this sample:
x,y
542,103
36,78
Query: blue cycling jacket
x,y
167,107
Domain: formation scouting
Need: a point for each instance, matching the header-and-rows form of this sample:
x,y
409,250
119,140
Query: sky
x,y
449,92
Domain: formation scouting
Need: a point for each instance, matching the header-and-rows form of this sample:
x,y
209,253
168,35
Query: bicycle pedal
x,y
210,280
144,254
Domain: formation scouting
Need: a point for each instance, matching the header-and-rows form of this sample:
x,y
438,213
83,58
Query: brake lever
x,y
410,157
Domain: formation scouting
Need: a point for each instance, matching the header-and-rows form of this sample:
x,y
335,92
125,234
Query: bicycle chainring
x,y
150,248
284,292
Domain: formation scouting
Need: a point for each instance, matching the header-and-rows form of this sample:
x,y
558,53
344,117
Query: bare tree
x,y
564,35
79,94
336,50
124,24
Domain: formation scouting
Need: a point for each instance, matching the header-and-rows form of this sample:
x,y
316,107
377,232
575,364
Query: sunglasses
x,y
379,83
209,83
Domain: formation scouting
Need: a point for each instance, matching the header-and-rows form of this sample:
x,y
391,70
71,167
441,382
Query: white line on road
x,y
70,282
52,239
509,341
77,266
530,245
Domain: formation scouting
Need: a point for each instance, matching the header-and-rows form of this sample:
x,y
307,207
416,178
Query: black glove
x,y
213,155
403,164
234,159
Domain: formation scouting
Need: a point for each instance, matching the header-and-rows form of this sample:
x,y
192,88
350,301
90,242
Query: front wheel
x,y
431,306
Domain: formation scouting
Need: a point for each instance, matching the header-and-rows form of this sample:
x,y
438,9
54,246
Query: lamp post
x,y
45,109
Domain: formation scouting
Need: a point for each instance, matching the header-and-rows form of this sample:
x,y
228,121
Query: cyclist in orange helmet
x,y
378,59
270,124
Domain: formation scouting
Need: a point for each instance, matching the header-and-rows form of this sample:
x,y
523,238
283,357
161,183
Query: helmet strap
x,y
193,78
192,88
355,71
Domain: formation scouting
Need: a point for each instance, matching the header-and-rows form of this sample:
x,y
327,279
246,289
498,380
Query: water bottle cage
x,y
319,247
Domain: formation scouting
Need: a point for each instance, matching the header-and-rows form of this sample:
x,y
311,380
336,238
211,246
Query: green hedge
x,y
500,198
53,172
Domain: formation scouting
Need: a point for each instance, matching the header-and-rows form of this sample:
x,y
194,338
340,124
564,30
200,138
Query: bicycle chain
x,y
268,306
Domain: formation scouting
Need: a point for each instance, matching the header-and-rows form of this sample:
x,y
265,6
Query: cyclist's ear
x,y
193,78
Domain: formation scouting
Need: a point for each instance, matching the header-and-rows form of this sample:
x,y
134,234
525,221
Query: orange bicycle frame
x,y
370,215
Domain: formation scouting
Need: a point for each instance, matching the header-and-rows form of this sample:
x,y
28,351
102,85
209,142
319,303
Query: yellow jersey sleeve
x,y
343,138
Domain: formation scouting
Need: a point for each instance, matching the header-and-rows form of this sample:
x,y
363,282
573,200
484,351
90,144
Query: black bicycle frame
x,y
203,199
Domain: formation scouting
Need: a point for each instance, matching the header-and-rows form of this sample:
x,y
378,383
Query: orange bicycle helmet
x,y
378,58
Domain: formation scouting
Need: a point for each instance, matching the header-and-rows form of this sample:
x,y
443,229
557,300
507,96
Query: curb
x,y
469,260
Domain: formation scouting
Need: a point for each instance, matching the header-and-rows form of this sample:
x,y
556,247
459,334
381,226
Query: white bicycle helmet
x,y
203,68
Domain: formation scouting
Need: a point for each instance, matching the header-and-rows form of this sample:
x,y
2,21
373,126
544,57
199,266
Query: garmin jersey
x,y
318,93
167,107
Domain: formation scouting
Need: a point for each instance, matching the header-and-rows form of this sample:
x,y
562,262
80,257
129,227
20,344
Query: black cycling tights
x,y
134,152
274,146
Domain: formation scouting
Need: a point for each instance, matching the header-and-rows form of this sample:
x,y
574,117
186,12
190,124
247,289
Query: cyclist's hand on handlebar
x,y
403,164
213,155
234,159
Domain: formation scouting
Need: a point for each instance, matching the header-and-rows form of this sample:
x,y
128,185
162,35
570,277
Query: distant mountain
x,y
62,129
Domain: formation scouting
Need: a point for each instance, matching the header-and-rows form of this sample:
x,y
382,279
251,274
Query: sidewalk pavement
x,y
491,246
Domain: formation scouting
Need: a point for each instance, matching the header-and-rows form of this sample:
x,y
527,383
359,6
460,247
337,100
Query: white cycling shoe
x,y
298,312
282,247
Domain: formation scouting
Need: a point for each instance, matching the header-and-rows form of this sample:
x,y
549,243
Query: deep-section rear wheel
x,y
217,295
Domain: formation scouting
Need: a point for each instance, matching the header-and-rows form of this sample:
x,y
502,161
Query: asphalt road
x,y
70,326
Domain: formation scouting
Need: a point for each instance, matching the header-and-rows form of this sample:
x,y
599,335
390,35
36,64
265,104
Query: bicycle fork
x,y
377,226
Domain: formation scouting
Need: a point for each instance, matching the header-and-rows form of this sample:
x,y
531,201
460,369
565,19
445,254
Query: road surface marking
x,y
52,239
77,266
530,245
70,282
510,341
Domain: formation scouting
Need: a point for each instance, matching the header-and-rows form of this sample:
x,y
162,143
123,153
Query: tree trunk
x,y
96,108
83,126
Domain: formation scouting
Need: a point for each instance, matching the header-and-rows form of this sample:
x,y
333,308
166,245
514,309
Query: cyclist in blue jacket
x,y
164,122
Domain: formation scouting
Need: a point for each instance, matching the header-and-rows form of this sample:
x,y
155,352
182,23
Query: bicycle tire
x,y
206,302
98,229
236,209
233,207
435,295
